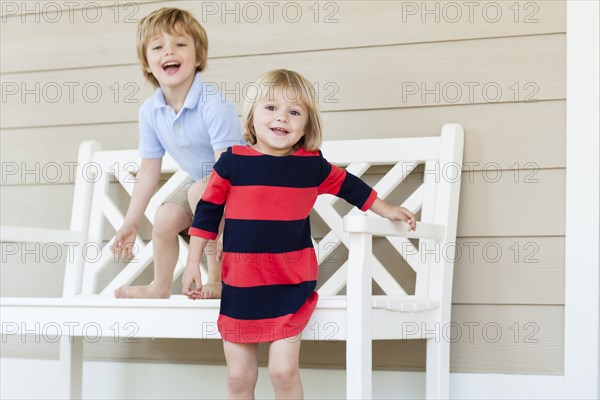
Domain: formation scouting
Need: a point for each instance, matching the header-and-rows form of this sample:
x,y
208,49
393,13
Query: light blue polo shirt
x,y
207,122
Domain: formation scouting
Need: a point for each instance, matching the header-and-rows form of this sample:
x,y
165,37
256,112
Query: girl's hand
x,y
124,242
394,213
397,213
220,248
190,278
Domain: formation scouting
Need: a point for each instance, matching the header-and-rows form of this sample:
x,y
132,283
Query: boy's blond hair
x,y
304,94
170,20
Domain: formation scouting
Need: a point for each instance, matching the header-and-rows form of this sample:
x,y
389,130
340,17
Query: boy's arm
x,y
191,274
222,124
147,180
394,213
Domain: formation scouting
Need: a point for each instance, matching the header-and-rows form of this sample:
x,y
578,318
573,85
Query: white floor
x,y
37,379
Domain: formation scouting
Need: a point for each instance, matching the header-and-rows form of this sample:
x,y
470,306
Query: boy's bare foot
x,y
142,292
211,290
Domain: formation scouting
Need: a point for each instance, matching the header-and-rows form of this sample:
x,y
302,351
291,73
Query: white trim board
x,y
177,381
582,307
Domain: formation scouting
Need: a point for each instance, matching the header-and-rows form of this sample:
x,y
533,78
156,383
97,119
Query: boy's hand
x,y
191,277
122,248
397,213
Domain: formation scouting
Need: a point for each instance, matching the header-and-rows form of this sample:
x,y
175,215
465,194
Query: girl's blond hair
x,y
304,94
170,20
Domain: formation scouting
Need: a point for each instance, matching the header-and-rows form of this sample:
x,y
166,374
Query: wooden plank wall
x,y
382,69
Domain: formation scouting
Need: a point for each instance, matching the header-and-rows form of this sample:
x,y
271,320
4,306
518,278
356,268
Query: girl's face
x,y
172,60
279,119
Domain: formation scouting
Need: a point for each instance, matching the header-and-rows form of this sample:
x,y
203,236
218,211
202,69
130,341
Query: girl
x,y
269,272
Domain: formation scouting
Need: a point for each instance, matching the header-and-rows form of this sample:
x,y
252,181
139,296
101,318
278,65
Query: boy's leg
x,y
242,369
212,288
170,219
284,368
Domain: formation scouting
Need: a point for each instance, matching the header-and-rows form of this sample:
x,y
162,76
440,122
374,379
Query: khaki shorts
x,y
179,197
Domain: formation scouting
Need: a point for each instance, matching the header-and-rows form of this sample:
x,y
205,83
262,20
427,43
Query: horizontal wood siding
x,y
382,69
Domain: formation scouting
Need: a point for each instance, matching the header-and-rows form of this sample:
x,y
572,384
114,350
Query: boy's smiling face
x,y
172,60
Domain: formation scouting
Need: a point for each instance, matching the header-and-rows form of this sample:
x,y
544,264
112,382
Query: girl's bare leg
x,y
284,368
242,369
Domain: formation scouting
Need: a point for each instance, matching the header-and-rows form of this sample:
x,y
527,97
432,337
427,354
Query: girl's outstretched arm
x,y
191,274
394,213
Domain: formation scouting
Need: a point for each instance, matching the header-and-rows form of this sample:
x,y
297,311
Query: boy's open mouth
x,y
171,66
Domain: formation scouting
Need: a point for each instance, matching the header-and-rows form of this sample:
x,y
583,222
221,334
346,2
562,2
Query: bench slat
x,y
382,151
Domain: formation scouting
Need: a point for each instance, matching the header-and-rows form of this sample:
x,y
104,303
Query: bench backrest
x,y
435,160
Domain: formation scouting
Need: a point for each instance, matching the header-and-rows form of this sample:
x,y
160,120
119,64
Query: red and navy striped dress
x,y
269,272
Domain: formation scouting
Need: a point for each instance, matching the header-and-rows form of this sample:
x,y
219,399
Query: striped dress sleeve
x,y
340,183
209,210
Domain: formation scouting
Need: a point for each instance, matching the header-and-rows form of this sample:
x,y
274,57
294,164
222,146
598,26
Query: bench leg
x,y
71,366
358,369
437,373
358,337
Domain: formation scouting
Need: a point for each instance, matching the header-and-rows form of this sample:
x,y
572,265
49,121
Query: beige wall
x,y
383,69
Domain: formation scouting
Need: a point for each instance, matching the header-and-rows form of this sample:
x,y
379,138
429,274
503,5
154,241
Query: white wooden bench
x,y
358,317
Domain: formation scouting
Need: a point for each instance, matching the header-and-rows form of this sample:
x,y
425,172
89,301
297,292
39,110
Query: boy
x,y
194,128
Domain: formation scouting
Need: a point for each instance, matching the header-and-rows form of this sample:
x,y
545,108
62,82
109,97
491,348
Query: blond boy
x,y
181,118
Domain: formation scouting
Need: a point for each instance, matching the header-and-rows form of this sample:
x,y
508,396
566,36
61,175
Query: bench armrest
x,y
385,227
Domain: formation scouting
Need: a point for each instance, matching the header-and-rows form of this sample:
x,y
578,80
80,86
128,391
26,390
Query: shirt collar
x,y
191,100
